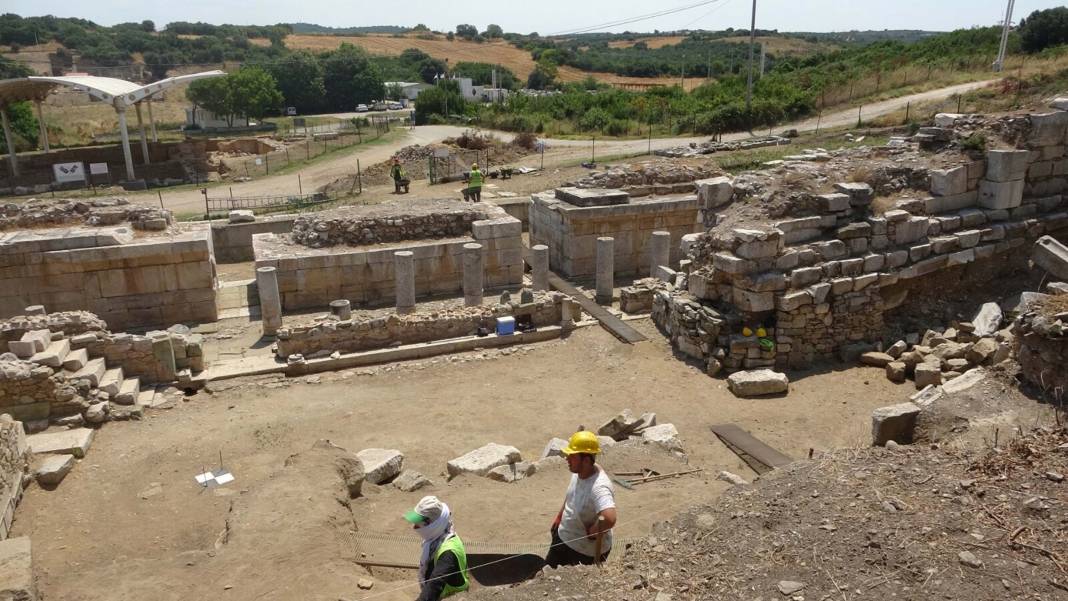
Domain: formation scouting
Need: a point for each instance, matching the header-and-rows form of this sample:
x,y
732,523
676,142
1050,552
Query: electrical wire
x,y
635,19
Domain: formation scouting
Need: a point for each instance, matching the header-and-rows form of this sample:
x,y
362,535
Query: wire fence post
x,y
818,119
359,175
959,98
160,194
908,107
300,186
858,114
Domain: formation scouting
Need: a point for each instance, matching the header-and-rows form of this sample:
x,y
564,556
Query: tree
x,y
443,97
1043,29
23,125
350,78
493,31
468,32
394,91
213,94
300,79
450,36
148,26
540,79
420,27
255,93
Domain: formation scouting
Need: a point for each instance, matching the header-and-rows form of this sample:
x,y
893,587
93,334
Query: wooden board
x,y
757,455
610,322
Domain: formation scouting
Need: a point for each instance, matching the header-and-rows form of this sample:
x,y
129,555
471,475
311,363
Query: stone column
x,y
473,274
659,251
404,275
341,308
539,266
270,300
606,269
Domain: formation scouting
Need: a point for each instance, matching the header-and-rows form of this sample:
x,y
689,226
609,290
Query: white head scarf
x,y
434,533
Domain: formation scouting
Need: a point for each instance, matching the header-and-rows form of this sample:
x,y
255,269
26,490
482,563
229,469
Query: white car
x,y
394,106
361,108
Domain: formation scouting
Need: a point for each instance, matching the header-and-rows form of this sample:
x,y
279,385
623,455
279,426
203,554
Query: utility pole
x,y
763,55
999,64
752,40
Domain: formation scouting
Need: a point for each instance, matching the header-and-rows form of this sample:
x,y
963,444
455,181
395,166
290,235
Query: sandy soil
x,y
129,521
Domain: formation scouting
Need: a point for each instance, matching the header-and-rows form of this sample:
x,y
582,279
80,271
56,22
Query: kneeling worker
x,y
443,561
589,498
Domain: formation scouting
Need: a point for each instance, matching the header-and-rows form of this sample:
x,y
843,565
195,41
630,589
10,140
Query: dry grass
x,y
652,42
779,45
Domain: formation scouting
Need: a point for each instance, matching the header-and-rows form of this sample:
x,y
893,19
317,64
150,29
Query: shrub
x,y
617,127
525,140
974,143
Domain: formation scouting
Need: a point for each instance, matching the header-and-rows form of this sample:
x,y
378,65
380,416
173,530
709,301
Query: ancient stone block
x,y
381,465
480,461
70,442
895,423
51,470
714,192
759,382
947,182
1006,165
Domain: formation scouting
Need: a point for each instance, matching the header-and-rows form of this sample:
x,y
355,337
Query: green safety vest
x,y
476,178
455,545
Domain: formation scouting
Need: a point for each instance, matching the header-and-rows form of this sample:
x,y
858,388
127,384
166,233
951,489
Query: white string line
x,y
506,558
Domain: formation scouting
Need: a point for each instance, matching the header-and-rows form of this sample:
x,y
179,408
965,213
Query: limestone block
x,y
961,258
619,427
17,582
981,351
93,371
714,192
1048,129
54,355
242,216
480,461
67,442
911,230
860,194
834,203
896,423
952,202
896,371
1001,195
876,359
987,320
794,300
53,468
555,447
759,249
76,360
23,349
927,374
1006,165
112,381
665,435
503,227
758,382
947,182
799,278
512,472
753,302
381,465
410,481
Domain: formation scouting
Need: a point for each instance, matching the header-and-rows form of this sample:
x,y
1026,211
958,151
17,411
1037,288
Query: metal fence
x,y
289,203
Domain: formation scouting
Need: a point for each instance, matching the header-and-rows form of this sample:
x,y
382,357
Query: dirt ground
x,y
129,521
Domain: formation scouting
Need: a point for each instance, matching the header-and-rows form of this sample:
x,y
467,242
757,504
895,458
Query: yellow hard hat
x,y
583,442
746,331
761,332
474,165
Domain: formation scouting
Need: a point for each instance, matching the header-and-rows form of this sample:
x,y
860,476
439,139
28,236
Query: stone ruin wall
x,y
326,229
823,283
14,461
129,281
355,335
311,278
571,231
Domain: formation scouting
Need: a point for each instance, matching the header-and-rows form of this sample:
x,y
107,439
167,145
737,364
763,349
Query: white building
x,y
409,89
205,119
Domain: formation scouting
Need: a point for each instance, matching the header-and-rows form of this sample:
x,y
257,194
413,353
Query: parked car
x,y
394,106
379,106
362,108
291,110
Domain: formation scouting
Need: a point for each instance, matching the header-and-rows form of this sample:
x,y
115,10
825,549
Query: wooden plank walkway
x,y
757,455
610,322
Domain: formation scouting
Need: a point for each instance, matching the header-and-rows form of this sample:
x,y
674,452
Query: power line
x,y
636,19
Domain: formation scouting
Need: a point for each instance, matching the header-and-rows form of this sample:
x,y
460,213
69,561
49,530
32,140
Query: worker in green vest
x,y
474,184
399,177
443,562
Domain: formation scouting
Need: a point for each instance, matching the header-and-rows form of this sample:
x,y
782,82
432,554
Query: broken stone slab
x,y
894,422
789,587
411,480
1057,288
17,582
480,461
1051,255
987,320
927,397
98,413
927,374
67,442
876,359
554,448
964,381
757,382
714,192
731,478
620,426
665,435
242,216
895,350
53,355
981,351
381,465
53,468
512,472
896,371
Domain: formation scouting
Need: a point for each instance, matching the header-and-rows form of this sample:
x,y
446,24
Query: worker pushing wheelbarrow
x,y
399,177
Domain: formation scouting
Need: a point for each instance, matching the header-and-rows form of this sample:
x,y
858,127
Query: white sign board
x,y
68,172
259,161
441,153
98,168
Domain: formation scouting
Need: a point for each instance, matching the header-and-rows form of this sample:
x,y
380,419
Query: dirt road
x,y
130,523
561,151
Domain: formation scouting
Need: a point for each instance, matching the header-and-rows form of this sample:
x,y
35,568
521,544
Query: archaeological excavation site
x,y
838,374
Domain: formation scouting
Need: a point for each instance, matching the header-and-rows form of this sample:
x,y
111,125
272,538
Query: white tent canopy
x,y
121,94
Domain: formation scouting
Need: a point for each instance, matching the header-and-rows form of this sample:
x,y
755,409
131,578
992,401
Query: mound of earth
x,y
905,523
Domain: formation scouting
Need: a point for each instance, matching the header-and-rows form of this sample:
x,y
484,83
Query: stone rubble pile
x,y
710,147
1042,342
98,212
942,356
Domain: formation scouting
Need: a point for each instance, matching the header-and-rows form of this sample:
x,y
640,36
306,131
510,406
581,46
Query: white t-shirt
x,y
585,499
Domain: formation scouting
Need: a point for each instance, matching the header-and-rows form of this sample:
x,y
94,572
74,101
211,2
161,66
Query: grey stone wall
x,y
360,335
232,242
128,281
1041,346
571,232
14,461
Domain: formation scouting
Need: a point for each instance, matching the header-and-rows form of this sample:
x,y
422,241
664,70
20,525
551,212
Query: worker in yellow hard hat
x,y
589,507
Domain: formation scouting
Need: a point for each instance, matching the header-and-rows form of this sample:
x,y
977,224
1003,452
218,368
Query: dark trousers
x,y
475,194
400,183
562,555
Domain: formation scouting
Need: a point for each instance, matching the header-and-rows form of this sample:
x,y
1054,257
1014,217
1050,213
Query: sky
x,y
551,16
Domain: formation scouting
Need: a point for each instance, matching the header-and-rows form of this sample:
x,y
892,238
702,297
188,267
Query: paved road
x,y
561,151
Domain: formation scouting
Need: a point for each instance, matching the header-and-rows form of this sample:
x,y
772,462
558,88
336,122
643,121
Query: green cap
x,y
414,517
